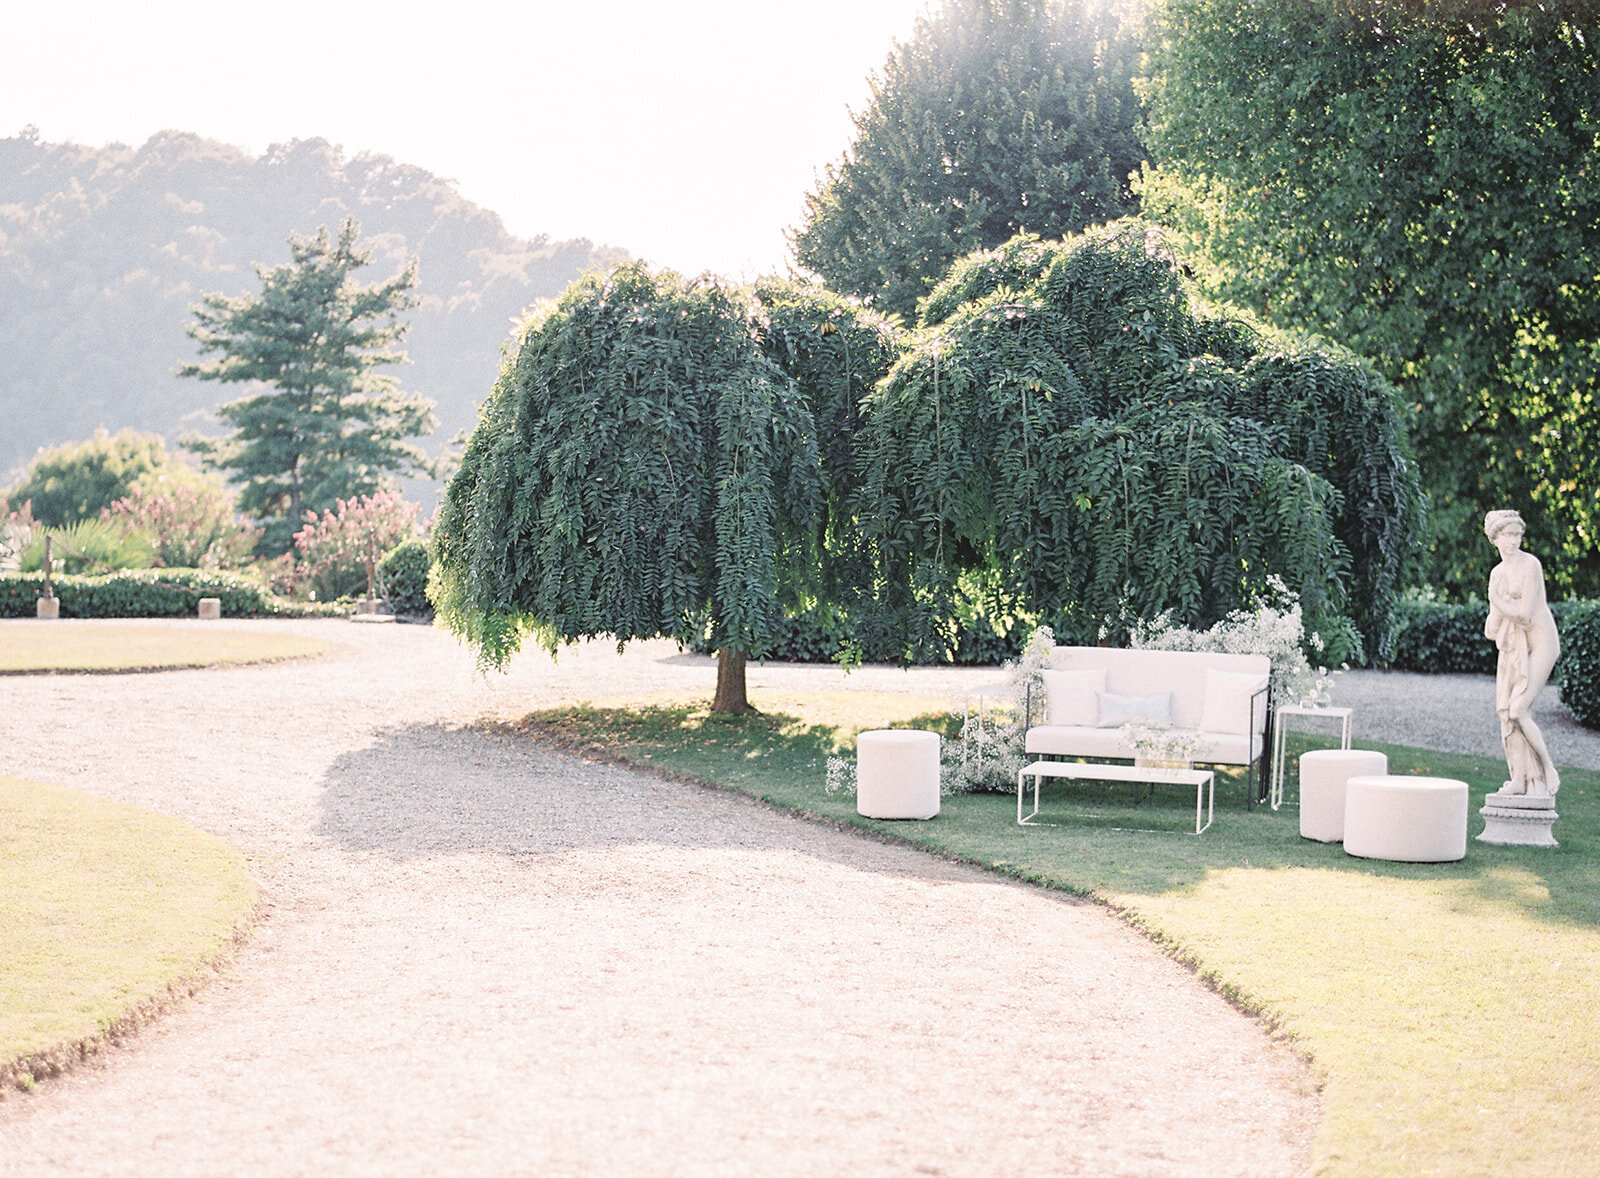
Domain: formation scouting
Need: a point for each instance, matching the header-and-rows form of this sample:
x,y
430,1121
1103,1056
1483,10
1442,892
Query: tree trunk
x,y
731,695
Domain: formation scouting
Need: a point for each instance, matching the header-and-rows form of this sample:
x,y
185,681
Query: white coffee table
x,y
1280,734
1203,780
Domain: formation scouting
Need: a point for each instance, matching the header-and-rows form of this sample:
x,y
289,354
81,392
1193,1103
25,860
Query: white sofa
x,y
1088,690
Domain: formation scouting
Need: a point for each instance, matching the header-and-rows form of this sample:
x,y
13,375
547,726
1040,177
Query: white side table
x,y
1280,733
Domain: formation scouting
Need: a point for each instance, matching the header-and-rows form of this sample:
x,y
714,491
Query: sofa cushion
x,y
1056,740
1117,710
1227,707
1069,696
1062,740
1228,748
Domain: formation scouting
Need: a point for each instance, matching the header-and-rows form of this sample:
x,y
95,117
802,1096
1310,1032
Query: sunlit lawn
x,y
96,645
1452,1010
106,911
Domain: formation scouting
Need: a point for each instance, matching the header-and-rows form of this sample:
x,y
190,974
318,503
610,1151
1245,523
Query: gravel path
x,y
1454,714
478,953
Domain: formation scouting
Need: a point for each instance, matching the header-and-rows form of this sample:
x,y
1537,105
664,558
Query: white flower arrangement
x,y
989,751
841,776
1162,742
1276,629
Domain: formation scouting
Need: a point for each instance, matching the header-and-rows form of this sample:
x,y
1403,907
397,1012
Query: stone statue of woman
x,y
1524,631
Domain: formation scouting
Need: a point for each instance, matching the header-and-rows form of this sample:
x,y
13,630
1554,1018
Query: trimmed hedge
x,y
150,593
1438,639
819,636
1579,669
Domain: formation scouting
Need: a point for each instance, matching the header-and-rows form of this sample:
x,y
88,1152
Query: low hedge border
x,y
151,593
1437,639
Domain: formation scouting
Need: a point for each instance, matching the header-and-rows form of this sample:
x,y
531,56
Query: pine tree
x,y
330,426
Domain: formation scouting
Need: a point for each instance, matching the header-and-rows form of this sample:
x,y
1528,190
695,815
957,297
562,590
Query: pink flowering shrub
x,y
17,531
190,523
332,552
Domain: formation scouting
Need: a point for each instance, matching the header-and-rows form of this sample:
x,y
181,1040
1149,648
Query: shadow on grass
x,y
1107,839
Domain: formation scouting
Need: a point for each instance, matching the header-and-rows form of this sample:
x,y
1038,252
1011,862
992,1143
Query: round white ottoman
x,y
897,773
1323,773
1407,819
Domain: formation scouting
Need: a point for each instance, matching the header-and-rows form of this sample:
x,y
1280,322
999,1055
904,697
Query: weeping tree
x,y
1069,420
643,468
835,351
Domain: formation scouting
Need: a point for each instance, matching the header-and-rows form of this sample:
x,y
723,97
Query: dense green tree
x,y
642,468
997,116
1422,182
330,426
1071,421
78,480
836,352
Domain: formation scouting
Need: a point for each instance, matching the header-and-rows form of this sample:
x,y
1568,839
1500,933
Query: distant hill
x,y
102,251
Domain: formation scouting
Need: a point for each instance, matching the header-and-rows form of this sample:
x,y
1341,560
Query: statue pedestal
x,y
1518,820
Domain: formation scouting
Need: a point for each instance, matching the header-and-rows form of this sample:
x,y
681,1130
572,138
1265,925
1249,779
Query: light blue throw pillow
x,y
1117,710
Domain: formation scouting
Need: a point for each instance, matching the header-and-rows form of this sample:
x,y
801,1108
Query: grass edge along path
x,y
110,914
1451,1011
112,647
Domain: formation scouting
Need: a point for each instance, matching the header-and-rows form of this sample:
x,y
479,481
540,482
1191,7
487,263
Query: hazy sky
x,y
688,133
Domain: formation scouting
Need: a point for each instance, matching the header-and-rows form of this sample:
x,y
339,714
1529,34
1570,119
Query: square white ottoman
x,y
1406,819
1323,773
897,773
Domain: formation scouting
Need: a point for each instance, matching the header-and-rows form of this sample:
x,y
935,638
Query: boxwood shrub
x,y
149,593
404,571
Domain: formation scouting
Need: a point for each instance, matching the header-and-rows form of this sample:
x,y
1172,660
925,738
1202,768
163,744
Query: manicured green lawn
x,y
97,645
1451,1010
107,912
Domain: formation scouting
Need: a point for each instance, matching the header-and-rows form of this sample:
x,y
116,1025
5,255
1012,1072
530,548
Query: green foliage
x,y
88,546
1111,451
641,466
828,633
1421,182
146,593
79,480
997,116
1579,672
835,351
332,427
404,571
